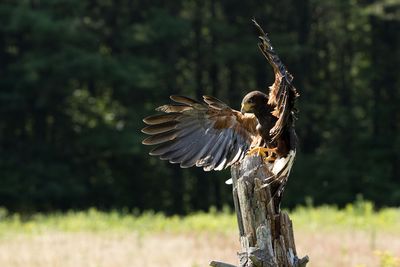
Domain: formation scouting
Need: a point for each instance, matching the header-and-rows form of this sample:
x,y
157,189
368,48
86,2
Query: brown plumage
x,y
212,135
207,134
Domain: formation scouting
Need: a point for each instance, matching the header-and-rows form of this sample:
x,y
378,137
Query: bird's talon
x,y
256,151
269,154
270,159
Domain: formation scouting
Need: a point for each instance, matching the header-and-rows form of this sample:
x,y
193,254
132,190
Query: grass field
x,y
354,236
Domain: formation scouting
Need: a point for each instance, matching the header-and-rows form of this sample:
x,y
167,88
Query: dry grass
x,y
347,248
356,236
72,249
116,250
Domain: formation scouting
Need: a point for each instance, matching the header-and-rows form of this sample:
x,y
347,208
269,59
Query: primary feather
x,y
207,134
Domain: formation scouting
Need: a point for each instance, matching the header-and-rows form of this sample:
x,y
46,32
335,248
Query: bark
x,y
266,234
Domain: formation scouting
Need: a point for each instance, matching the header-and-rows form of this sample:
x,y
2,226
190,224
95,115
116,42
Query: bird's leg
x,y
269,154
259,151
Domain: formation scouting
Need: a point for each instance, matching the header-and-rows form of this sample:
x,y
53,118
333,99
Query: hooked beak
x,y
246,107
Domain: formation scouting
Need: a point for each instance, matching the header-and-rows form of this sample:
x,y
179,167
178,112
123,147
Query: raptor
x,y
211,135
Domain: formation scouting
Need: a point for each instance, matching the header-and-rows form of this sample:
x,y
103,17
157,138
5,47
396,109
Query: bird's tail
x,y
281,169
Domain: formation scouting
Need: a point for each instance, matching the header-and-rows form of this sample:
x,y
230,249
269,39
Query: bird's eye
x,y
251,100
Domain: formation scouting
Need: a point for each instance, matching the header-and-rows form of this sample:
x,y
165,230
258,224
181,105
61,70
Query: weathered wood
x,y
266,234
220,264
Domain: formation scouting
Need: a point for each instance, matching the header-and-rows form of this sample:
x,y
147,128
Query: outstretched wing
x,y
207,134
282,94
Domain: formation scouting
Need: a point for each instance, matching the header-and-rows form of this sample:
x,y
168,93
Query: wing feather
x,y
181,148
184,100
209,159
160,138
206,134
161,118
173,108
160,128
215,102
221,149
282,93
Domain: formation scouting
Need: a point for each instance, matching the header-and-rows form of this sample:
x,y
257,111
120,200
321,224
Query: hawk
x,y
211,135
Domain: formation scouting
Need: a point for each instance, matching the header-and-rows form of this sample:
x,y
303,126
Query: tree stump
x,y
266,233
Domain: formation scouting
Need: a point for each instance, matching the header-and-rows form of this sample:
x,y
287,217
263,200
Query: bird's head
x,y
254,101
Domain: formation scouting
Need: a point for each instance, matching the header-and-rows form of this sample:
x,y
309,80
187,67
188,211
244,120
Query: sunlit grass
x,y
357,235
94,220
360,215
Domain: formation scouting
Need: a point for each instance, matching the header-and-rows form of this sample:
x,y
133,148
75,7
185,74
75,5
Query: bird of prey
x,y
211,135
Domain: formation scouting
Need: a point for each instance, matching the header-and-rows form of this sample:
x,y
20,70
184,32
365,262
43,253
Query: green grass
x,y
358,230
94,220
360,215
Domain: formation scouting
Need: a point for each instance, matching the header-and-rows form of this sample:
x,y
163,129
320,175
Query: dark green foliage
x,y
77,77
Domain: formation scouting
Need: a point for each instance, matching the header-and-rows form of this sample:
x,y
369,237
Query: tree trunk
x,y
266,233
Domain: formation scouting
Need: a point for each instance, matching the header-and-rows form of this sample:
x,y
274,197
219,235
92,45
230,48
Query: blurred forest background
x,y
77,77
